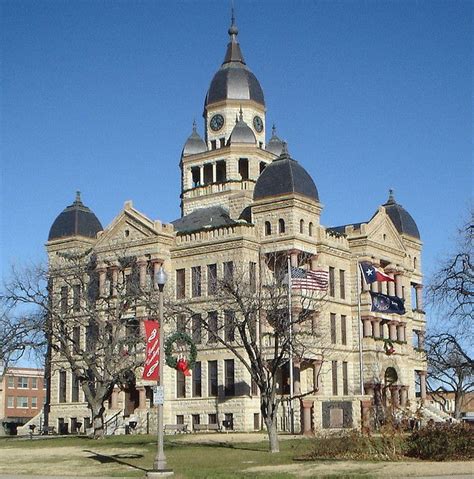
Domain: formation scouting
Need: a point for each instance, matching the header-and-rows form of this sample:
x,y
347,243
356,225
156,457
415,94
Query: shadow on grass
x,y
222,445
117,458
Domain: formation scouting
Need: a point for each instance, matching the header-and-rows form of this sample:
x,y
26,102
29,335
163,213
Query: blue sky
x,y
99,96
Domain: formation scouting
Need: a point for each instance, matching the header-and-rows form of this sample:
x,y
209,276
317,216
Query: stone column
x,y
201,175
314,262
419,296
214,174
142,398
395,393
401,332
114,269
367,327
142,262
294,258
391,288
114,399
374,287
317,364
102,270
365,415
421,339
376,327
403,396
369,389
307,426
392,330
296,377
422,375
398,285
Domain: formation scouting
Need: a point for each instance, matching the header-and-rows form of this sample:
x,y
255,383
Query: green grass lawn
x,y
133,455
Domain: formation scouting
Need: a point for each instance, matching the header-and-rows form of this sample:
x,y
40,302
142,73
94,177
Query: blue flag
x,y
383,303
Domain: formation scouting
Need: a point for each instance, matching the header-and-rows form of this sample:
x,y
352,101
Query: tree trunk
x,y
269,414
98,420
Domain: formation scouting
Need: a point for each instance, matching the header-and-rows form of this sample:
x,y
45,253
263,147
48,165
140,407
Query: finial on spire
x,y
233,30
78,197
391,196
194,125
274,130
284,150
241,114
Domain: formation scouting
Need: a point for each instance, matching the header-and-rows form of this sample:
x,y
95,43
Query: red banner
x,y
152,361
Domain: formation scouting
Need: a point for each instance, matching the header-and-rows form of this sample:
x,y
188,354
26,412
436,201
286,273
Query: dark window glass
x,y
221,174
334,377
196,281
331,282
211,279
263,165
76,297
208,173
229,420
343,329
180,419
222,142
229,325
301,226
228,271
244,168
62,386
268,228
212,327
197,389
212,378
76,339
310,229
212,418
253,276
64,294
333,329
196,175
345,380
281,225
75,388
229,377
180,283
342,283
254,388
197,328
180,384
181,323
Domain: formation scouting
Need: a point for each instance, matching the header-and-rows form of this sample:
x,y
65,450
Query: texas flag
x,y
372,274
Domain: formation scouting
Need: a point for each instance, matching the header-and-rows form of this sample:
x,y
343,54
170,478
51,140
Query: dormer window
x,y
310,229
281,226
268,228
301,226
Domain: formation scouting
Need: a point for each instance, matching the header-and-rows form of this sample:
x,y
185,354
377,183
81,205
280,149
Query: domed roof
x,y
403,221
194,144
234,80
75,220
242,133
274,145
282,176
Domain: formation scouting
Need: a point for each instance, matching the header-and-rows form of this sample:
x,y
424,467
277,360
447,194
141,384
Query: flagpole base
x,y
159,474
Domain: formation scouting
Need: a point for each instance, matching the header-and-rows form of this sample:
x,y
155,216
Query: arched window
x,y
281,225
301,226
414,263
268,228
310,229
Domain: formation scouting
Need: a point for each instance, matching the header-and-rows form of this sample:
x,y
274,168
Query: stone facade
x,y
223,174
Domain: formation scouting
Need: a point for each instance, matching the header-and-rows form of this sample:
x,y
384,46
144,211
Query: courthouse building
x,y
243,198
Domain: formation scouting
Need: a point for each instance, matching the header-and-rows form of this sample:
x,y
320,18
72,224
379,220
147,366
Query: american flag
x,y
303,279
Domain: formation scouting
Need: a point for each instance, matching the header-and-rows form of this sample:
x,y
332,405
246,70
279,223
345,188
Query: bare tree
x,y
257,327
94,334
450,367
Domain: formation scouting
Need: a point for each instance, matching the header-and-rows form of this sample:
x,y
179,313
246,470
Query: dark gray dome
x,y
403,221
194,144
274,145
285,175
234,81
242,133
75,220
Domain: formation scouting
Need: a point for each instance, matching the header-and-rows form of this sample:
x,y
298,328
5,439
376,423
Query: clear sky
x,y
100,96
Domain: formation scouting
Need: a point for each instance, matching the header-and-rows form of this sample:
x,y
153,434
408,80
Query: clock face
x,y
217,122
258,124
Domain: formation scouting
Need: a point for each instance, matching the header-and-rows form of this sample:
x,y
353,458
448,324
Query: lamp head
x,y
161,278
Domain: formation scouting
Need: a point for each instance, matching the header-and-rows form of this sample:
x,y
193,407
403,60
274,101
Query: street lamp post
x,y
159,465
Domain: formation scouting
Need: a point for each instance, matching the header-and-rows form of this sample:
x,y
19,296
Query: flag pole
x,y
292,426
359,319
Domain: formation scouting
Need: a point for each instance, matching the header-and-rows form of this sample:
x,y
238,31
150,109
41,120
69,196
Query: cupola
x,y
194,144
402,220
242,133
274,145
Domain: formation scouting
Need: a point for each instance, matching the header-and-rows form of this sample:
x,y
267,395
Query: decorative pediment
x,y
380,229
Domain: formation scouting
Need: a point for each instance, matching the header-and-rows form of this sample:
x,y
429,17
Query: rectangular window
x,y
34,383
180,419
64,294
212,326
76,339
196,281
212,418
76,298
334,377
180,384
222,142
213,144
62,386
196,176
229,325
22,383
22,402
211,279
208,173
75,388
229,377
229,420
34,402
342,283
197,328
181,323
221,173
344,329
333,328
180,283
256,421
253,388
331,282
244,168
345,379
11,382
228,272
253,276
212,378
10,402
196,420
197,389
91,336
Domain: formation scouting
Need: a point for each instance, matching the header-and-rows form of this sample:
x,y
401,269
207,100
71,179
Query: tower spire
x,y
233,53
233,30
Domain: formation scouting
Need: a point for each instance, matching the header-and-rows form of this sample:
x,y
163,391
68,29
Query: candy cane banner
x,y
152,361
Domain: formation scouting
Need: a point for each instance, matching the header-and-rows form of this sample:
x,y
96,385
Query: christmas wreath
x,y
388,346
180,362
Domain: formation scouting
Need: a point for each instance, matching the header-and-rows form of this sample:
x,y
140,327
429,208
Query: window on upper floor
x,y
196,176
181,323
213,144
229,372
263,165
268,228
342,284
22,383
334,377
196,328
211,279
34,383
229,325
208,179
180,283
221,172
180,384
221,142
63,303
212,327
281,226
244,168
310,229
11,382
197,384
301,226
253,276
196,281
212,386
344,329
22,402
332,319
345,379
10,401
228,271
62,386
76,298
331,282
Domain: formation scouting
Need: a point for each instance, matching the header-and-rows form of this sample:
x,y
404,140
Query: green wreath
x,y
171,360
